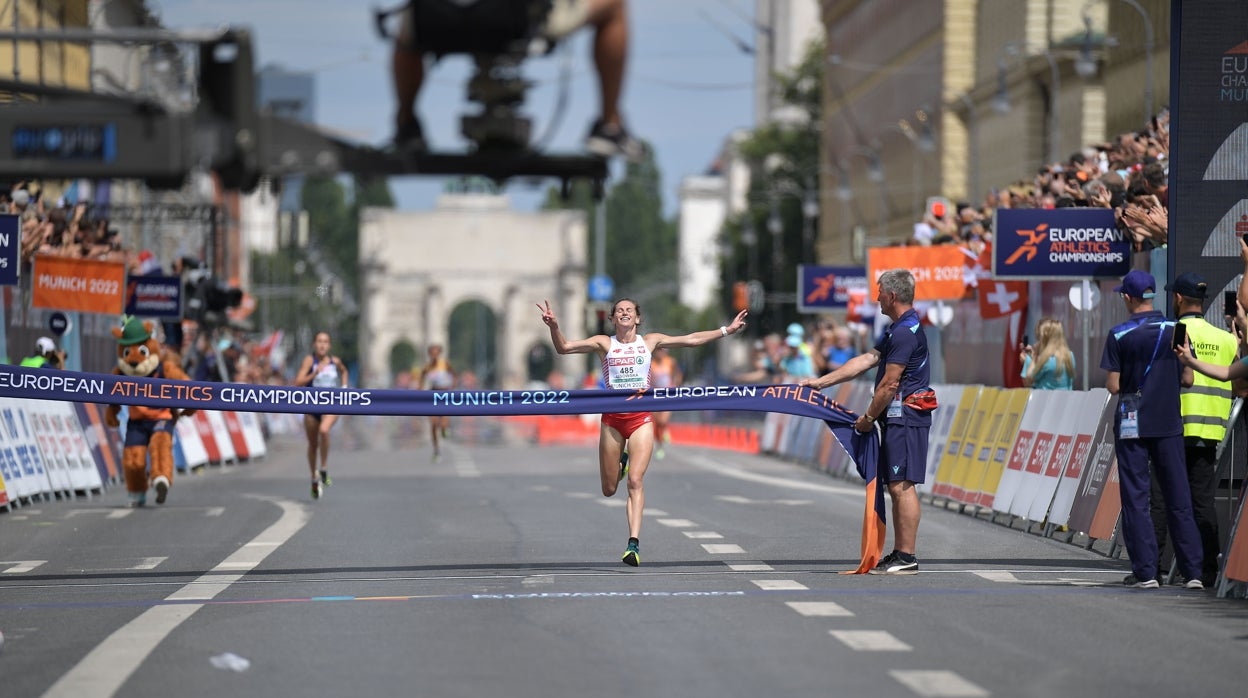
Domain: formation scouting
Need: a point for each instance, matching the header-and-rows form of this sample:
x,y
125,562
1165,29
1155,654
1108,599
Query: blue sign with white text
x,y
10,248
1061,243
827,288
154,296
601,287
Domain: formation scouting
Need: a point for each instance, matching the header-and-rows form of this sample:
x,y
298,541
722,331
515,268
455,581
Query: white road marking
x,y
938,684
722,548
464,464
822,609
107,667
870,640
146,563
20,566
794,502
537,579
750,567
721,468
677,523
613,502
733,499
702,535
778,585
996,575
119,514
578,495
655,512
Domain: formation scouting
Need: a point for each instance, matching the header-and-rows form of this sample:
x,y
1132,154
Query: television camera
x,y
499,35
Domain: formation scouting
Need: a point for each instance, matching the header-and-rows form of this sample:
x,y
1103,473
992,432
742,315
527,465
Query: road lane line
x,y
677,523
750,567
996,575
779,585
464,464
104,669
148,563
723,548
119,514
719,468
870,640
702,535
655,512
20,566
820,609
938,684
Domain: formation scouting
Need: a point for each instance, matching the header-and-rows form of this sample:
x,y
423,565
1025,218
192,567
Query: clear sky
x,y
688,84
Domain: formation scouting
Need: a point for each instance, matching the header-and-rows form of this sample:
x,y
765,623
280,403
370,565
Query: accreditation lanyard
x,y
1129,405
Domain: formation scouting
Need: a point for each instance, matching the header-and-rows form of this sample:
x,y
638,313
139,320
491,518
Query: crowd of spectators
x,y
1127,174
804,354
61,228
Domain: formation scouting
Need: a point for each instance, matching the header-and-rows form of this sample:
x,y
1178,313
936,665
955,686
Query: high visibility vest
x,y
1206,406
34,362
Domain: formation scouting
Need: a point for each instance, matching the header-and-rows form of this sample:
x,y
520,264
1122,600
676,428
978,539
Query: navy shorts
x,y
139,432
903,454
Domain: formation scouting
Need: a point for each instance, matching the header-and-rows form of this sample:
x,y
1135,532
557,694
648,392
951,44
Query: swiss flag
x,y
1000,298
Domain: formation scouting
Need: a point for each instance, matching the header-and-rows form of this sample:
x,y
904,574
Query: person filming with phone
x,y
1050,365
1206,410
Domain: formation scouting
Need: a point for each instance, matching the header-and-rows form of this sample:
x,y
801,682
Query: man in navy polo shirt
x,y
902,404
1146,376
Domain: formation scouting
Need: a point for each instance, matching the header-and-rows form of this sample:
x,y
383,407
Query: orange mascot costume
x,y
149,430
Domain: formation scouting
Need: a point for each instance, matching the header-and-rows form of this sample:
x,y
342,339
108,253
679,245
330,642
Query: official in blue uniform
x,y
902,405
1146,376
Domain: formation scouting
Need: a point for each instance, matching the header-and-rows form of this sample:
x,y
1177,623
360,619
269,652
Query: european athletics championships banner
x,y
101,388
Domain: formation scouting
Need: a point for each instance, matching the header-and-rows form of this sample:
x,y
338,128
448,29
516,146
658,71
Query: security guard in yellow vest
x,y
1206,407
45,356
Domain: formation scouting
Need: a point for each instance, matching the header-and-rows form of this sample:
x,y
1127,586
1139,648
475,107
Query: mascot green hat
x,y
133,331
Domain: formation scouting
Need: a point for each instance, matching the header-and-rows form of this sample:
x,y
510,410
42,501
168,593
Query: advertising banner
x,y
10,248
154,297
1208,193
827,288
84,285
937,270
1060,243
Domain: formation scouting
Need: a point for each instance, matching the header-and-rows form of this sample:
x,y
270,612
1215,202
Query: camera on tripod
x,y
207,299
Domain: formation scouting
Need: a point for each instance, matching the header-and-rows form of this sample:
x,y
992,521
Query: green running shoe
x,y
632,556
623,466
316,489
325,478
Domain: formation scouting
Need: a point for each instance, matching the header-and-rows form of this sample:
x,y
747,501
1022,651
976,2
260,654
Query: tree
x,y
784,160
333,216
642,253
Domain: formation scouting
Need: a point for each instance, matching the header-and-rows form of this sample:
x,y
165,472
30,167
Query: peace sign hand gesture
x,y
548,315
738,323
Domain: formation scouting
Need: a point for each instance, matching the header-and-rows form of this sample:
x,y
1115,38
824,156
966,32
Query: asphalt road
x,y
496,572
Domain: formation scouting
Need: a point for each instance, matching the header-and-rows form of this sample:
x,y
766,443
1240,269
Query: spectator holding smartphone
x,y
1050,365
1206,410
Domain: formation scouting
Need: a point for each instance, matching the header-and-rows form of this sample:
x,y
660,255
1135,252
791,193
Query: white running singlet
x,y
325,376
627,366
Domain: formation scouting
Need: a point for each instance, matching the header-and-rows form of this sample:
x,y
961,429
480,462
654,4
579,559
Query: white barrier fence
x,y
1042,458
51,449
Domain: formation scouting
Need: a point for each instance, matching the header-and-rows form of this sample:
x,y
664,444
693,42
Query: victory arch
x,y
467,275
